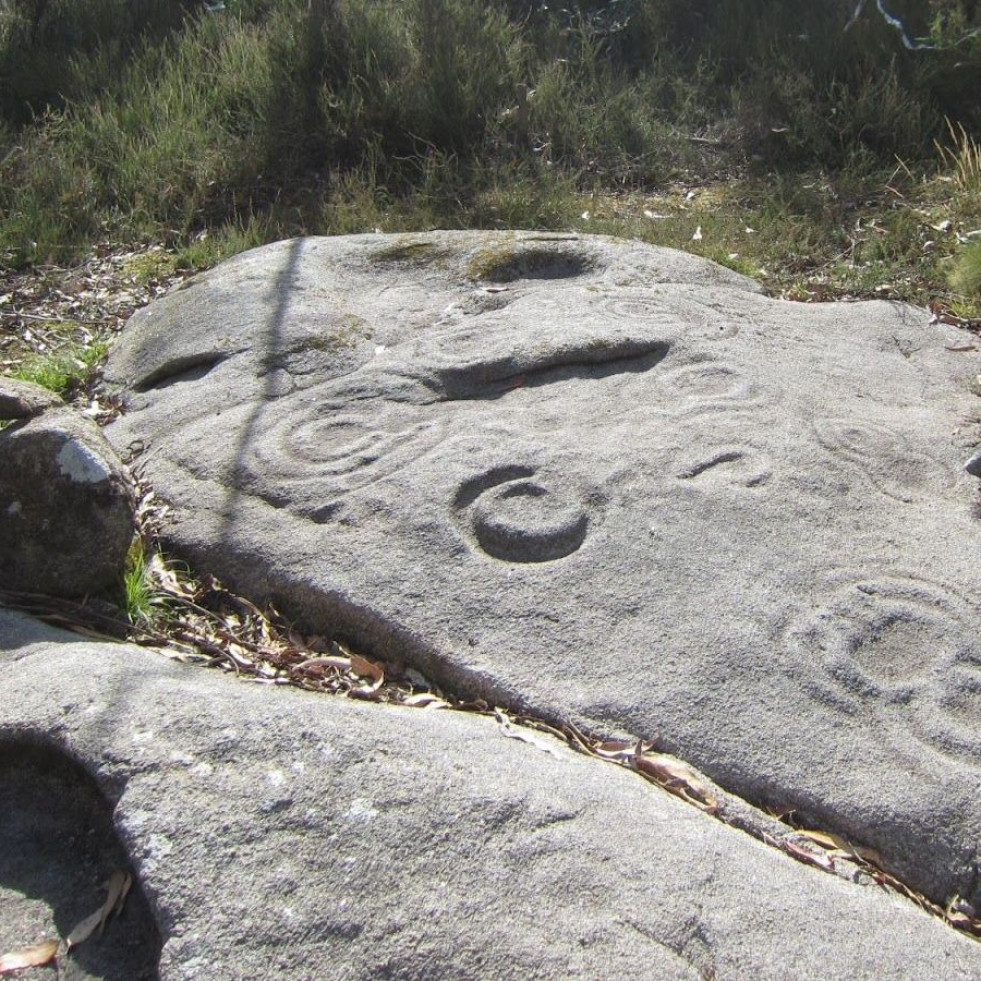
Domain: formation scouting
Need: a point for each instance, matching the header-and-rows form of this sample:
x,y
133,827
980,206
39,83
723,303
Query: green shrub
x,y
965,277
64,371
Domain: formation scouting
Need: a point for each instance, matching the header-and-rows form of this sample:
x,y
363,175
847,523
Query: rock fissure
x,y
819,848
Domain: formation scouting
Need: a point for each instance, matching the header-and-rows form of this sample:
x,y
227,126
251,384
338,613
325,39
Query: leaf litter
x,y
827,850
667,771
44,308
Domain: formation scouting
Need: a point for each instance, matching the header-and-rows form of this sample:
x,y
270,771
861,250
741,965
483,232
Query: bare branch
x,y
893,21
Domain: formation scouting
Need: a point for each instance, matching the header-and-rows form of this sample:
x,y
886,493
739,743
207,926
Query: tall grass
x,y
962,157
155,118
56,51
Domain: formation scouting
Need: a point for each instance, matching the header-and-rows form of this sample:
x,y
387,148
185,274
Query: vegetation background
x,y
803,143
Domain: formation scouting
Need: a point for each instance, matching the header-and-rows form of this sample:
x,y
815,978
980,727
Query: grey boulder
x,y
24,400
973,465
607,483
67,507
281,834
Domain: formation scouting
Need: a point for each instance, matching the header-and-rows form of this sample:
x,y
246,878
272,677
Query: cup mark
x,y
512,515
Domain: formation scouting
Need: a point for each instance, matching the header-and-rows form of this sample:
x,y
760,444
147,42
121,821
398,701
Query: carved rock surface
x,y
280,834
609,483
66,506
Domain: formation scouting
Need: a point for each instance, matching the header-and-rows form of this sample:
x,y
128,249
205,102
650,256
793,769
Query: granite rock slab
x,y
608,483
280,834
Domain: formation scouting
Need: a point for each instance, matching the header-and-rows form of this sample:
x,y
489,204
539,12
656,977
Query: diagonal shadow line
x,y
273,344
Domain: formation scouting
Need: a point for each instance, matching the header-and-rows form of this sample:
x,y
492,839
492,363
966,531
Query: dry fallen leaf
x,y
426,699
823,838
83,930
675,776
367,669
320,664
166,579
840,846
811,858
122,892
620,749
117,886
960,920
513,732
36,955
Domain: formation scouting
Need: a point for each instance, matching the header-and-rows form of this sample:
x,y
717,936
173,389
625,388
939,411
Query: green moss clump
x,y
488,263
507,263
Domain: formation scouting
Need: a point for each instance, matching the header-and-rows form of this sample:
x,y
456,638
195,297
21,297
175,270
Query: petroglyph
x,y
608,482
906,651
671,308
725,467
514,516
884,456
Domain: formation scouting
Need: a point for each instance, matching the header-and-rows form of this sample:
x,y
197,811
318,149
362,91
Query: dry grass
x,y
962,157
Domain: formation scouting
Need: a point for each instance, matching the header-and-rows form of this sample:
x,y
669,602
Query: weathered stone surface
x,y
57,850
605,482
23,400
279,834
66,506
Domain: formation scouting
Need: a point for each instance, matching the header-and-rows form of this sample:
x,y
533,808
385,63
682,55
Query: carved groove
x,y
191,367
493,379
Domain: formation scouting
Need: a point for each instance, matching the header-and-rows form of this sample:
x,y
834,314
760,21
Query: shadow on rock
x,y
57,849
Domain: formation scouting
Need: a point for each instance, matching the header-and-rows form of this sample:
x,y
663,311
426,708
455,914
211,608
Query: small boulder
x,y
67,507
25,400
